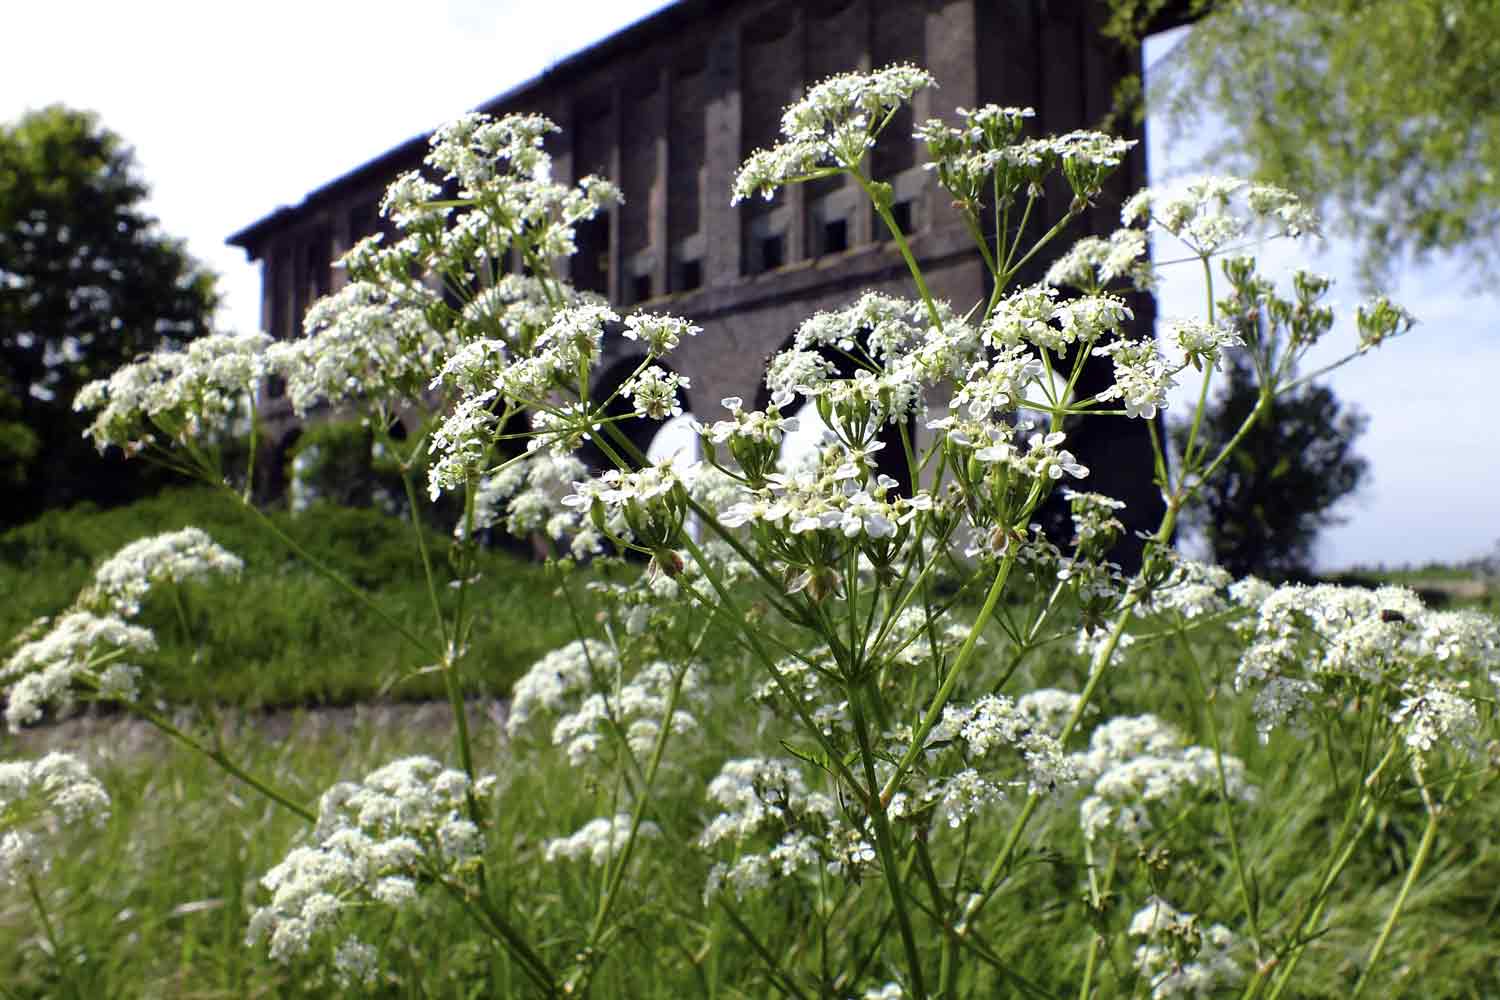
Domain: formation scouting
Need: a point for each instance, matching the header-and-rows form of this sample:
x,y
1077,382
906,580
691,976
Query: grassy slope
x,y
285,634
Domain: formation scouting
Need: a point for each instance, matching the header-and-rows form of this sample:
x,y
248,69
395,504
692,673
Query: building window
x,y
689,275
772,252
835,235
640,288
901,212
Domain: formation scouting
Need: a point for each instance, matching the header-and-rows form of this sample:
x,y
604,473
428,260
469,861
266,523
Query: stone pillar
x,y
661,244
613,280
721,154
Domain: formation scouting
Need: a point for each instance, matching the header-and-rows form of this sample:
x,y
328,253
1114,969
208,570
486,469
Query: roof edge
x,y
380,167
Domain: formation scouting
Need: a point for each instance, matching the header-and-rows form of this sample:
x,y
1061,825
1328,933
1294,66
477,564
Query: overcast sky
x,y
235,109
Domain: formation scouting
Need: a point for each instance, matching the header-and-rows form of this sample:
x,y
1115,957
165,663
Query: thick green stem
x,y
501,929
939,700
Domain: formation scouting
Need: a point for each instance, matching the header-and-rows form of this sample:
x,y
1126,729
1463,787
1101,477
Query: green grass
x,y
284,634
157,904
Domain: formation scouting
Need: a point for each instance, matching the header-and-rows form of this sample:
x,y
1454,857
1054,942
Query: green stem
x,y
41,911
902,245
1424,849
658,751
773,967
1234,841
1187,452
940,700
530,961
220,758
885,846
343,583
416,525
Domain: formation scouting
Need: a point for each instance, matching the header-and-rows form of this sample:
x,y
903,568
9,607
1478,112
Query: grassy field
x,y
157,905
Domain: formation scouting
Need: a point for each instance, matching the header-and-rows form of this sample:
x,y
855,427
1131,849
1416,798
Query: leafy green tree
x,y
87,282
1385,112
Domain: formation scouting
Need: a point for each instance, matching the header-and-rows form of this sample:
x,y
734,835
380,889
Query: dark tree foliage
x,y
87,283
1262,510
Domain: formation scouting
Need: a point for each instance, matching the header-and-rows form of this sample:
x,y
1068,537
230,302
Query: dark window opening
x,y
640,288
689,275
591,263
835,236
364,220
772,252
901,212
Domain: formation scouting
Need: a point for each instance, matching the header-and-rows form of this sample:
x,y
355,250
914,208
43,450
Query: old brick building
x,y
670,107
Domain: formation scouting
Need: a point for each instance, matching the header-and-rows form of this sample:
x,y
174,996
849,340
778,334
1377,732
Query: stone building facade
x,y
670,107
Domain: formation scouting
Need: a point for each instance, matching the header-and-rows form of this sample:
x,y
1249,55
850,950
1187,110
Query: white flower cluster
x,y
988,148
830,502
768,799
502,166
376,842
88,645
460,446
659,333
1094,263
834,125
634,711
125,578
983,727
1437,714
1193,590
1181,959
646,505
1338,641
1200,344
364,343
1033,316
1143,376
1206,214
187,394
526,497
599,840
653,393
1136,764
36,798
80,648
557,678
